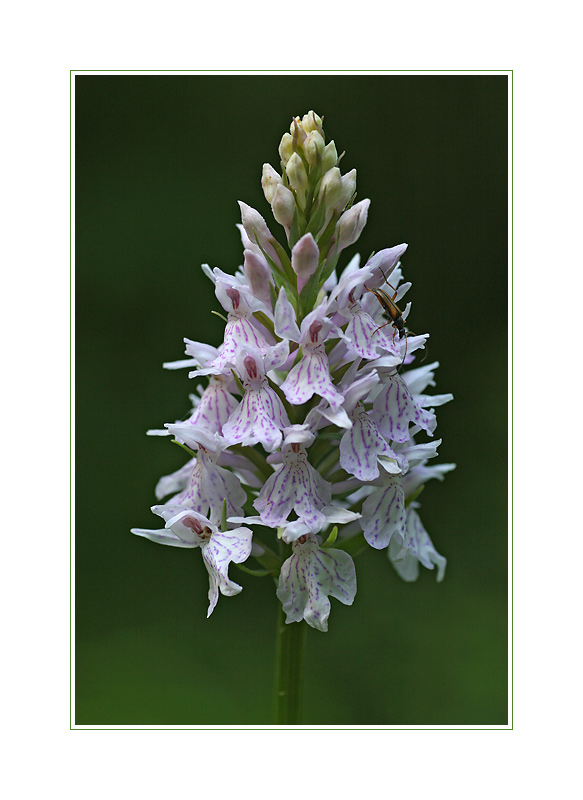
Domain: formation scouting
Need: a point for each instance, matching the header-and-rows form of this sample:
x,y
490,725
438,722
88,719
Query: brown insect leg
x,y
390,322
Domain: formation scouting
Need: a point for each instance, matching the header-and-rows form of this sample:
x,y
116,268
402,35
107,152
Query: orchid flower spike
x,y
309,433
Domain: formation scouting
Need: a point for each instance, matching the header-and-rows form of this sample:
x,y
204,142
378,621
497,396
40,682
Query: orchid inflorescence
x,y
308,422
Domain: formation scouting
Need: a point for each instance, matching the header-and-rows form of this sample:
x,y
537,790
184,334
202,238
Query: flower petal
x,y
309,577
163,537
222,548
395,409
311,376
383,514
176,481
286,326
406,554
260,417
361,446
298,486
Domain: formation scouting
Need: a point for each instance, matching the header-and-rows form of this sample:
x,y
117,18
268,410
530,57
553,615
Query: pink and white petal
x,y
163,537
296,486
215,407
180,364
311,376
260,417
312,494
257,231
394,464
304,260
309,577
433,400
418,453
338,515
421,474
394,409
286,326
176,481
294,530
299,434
201,352
187,524
192,496
416,548
195,436
276,498
383,264
383,514
217,554
361,446
277,356
219,484
258,274
358,389
365,336
337,416
351,280
420,378
239,332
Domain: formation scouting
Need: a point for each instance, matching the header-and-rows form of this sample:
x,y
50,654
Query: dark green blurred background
x,y
160,164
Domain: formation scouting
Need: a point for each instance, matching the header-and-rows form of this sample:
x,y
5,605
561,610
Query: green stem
x,y
289,666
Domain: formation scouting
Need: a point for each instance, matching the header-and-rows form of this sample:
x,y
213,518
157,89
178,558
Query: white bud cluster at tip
x,y
310,190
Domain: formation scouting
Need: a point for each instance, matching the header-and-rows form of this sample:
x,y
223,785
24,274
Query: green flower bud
x,y
314,147
283,205
297,132
286,147
298,178
347,190
332,185
270,180
329,157
312,122
351,224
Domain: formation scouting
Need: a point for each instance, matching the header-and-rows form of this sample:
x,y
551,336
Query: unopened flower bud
x,y
257,231
329,157
298,178
257,273
283,205
312,122
270,179
332,185
286,147
314,147
347,190
351,224
304,260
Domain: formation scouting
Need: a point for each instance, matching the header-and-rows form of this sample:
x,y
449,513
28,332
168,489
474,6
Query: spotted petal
x,y
298,486
416,547
215,406
176,481
222,548
361,446
309,377
395,409
260,417
309,577
383,513
365,336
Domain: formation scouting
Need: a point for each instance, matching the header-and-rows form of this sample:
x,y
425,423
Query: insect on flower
x,y
392,310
